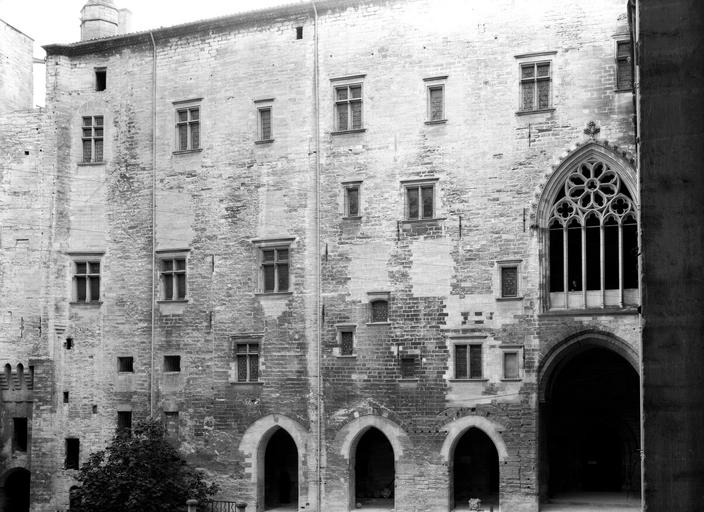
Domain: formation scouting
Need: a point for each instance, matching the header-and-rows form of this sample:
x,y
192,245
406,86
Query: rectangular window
x,y
468,361
536,82
247,355
92,139
19,434
352,199
624,64
509,281
275,269
188,128
172,363
65,397
408,368
86,281
124,421
265,133
511,368
125,364
100,79
346,342
348,107
420,200
436,103
73,448
173,278
380,311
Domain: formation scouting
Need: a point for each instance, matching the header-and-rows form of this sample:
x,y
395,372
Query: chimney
x,y
99,18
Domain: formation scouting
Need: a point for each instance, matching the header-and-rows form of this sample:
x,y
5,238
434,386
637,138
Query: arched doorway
x,y
475,470
14,495
281,472
374,471
590,434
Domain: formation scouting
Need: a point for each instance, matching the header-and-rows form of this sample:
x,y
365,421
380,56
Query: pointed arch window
x,y
593,240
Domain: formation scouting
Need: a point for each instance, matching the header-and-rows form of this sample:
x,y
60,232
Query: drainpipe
x,y
318,301
153,297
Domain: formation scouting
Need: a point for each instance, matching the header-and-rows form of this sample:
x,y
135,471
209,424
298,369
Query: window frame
x,y
500,266
93,138
104,71
347,82
275,245
346,187
172,255
468,343
517,351
535,80
87,258
431,84
264,104
248,353
345,328
419,185
628,59
172,358
188,106
131,364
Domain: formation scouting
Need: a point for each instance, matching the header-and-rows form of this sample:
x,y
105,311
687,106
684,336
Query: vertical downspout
x,y
318,301
153,301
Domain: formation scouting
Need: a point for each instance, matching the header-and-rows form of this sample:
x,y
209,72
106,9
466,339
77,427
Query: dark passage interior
x,y
281,471
475,469
374,470
591,426
14,496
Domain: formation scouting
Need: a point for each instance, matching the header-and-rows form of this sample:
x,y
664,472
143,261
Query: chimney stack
x,y
99,18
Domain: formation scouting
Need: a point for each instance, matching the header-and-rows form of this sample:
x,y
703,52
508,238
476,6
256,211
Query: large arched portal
x,y
374,471
14,494
281,472
590,435
475,470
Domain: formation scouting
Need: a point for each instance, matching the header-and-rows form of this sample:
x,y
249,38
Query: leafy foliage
x,y
142,471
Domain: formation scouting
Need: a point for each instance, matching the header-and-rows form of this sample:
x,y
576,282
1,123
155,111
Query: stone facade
x,y
224,198
15,69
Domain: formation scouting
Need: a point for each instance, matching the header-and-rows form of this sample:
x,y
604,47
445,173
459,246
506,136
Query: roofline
x,y
17,30
243,18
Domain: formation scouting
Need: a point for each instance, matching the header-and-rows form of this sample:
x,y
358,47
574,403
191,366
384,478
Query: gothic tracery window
x,y
593,240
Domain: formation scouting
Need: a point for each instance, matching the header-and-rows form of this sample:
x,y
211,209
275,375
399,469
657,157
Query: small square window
x,y
352,199
624,66
264,123
188,128
86,280
124,422
19,434
299,32
420,201
92,138
73,448
468,361
125,364
65,397
101,75
380,310
511,365
247,358
346,342
274,266
436,103
348,107
172,274
536,86
172,363
509,281
408,367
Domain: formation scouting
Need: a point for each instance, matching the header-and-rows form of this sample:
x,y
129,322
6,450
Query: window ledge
x,y
468,380
379,323
624,90
508,299
511,380
272,294
252,384
352,217
176,301
125,373
93,303
626,310
264,141
411,380
539,111
421,221
187,151
89,164
343,132
437,121
171,373
347,356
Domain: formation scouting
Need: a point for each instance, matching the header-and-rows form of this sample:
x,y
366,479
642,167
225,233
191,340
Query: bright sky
x,y
58,21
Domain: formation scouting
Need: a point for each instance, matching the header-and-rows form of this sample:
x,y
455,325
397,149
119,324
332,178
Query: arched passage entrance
x,y
14,494
590,434
281,472
475,470
374,471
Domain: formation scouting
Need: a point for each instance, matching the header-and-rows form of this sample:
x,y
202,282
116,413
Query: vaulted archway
x,y
14,493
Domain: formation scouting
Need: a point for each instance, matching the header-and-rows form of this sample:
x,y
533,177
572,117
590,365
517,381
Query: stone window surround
x,y
418,183
90,134
345,327
249,339
85,257
262,244
501,264
172,254
618,40
263,104
536,58
511,349
347,81
464,339
374,296
434,83
346,186
188,105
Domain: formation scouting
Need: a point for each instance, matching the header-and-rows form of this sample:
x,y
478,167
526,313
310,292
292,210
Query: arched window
x,y
592,238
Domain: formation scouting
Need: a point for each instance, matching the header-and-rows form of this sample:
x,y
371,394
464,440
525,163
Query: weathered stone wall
x,y
15,69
